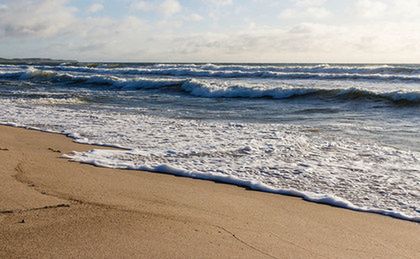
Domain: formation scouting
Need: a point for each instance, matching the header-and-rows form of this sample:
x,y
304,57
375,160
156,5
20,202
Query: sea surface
x,y
345,135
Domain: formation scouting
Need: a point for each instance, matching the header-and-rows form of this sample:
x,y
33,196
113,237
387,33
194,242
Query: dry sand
x,y
51,207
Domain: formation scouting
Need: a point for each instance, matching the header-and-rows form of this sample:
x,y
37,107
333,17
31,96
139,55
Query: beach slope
x,y
52,207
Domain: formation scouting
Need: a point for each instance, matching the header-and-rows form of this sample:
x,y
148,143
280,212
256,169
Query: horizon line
x,y
204,62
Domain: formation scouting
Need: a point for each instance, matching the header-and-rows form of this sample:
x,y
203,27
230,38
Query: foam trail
x,y
96,157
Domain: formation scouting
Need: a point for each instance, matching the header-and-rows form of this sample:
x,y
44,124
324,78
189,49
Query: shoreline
x,y
64,205
222,179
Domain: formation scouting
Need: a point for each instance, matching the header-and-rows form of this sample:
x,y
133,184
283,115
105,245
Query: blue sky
x,y
212,30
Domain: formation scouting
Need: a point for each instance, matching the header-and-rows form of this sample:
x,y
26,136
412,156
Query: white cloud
x,y
96,7
306,9
194,17
371,8
141,5
52,28
220,2
165,7
38,18
387,9
407,8
170,7
307,3
307,13
307,42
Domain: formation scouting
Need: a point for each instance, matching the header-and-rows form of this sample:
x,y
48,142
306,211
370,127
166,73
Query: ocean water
x,y
345,135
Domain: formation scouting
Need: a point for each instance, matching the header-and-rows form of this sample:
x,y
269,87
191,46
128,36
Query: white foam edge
x,y
227,179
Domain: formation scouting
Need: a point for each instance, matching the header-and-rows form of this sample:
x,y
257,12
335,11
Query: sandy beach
x,y
51,207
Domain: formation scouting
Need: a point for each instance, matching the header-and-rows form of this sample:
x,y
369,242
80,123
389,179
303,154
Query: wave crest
x,y
209,90
215,89
408,74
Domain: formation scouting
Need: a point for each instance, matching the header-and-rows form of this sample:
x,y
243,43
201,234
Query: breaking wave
x,y
216,89
219,69
319,72
202,89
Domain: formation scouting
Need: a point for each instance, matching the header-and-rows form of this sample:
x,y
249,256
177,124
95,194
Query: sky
x,y
276,31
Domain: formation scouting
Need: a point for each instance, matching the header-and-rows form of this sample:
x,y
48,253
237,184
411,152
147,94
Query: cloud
x,y
141,5
308,3
194,17
38,17
408,8
306,9
220,2
52,28
307,13
371,8
386,9
96,7
165,7
170,7
308,42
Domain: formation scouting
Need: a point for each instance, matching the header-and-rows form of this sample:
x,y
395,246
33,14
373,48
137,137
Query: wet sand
x,y
52,207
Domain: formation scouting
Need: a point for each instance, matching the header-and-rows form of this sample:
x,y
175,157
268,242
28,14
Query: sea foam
x,y
332,160
286,159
